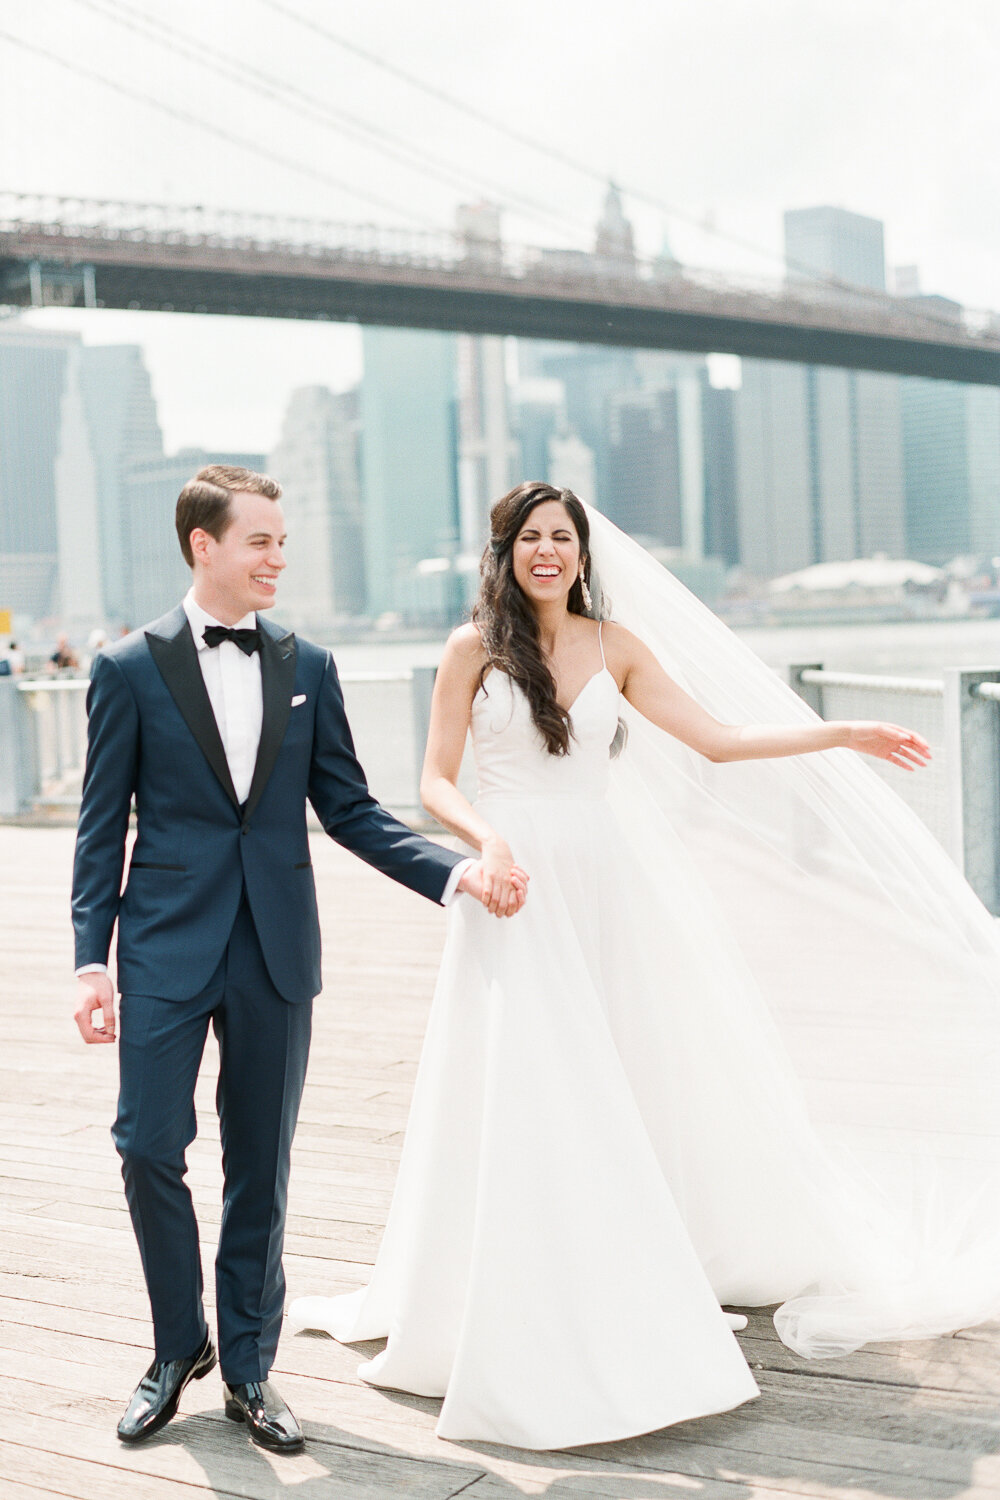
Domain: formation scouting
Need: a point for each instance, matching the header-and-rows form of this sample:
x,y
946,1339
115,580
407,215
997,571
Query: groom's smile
x,y
237,573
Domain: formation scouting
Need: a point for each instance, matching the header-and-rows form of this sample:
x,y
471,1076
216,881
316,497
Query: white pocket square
x,y
299,698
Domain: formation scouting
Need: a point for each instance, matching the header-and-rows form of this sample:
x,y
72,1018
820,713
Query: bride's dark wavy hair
x,y
506,620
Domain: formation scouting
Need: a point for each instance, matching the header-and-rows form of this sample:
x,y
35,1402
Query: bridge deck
x,y
910,1421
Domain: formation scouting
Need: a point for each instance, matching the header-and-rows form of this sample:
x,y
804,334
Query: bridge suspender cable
x,y
566,159
295,99
264,153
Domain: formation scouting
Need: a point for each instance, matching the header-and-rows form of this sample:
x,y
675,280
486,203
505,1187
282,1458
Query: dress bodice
x,y
511,758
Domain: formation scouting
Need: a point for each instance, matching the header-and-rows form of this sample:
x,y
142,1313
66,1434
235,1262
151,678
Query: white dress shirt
x,y
232,679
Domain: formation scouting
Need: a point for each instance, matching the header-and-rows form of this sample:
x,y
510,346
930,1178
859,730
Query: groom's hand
x,y
95,992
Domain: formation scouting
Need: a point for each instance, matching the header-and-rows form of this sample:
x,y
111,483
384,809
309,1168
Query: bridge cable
x,y
258,82
211,128
565,159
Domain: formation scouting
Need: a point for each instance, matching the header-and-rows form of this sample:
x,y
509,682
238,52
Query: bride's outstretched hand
x,y
903,747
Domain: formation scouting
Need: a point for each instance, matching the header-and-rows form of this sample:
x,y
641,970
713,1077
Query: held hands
x,y
496,881
889,742
95,992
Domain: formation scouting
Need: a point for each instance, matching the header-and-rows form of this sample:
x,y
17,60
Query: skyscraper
x,y
775,467
124,431
408,470
840,482
316,463
571,465
49,541
951,456
155,571
590,375
644,469
722,537
539,407
487,448
827,242
614,242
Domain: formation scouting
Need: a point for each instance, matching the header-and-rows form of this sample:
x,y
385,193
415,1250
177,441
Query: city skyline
x,y
389,479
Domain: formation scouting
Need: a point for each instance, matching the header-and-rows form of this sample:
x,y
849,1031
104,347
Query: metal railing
x,y
958,795
57,226
43,738
43,745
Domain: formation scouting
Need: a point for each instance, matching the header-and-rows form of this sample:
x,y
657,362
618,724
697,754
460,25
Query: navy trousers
x,y
263,1049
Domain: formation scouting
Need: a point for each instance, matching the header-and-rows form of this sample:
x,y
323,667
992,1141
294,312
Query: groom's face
x,y
239,572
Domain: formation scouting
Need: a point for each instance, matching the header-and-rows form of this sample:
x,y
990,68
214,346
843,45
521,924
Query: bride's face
x,y
546,554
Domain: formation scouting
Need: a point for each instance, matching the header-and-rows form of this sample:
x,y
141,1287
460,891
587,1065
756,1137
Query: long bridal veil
x,y
854,1058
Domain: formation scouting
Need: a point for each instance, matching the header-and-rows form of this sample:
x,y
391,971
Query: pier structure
x,y
913,1421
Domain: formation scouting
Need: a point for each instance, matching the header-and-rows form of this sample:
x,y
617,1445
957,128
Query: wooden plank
x,y
213,1456
901,1421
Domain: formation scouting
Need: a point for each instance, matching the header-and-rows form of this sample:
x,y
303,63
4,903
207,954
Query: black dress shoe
x,y
154,1400
271,1423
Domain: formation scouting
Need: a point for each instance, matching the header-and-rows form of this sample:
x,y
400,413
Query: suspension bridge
x,y
75,252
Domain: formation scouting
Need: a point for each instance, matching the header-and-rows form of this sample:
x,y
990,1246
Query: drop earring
x,y
588,602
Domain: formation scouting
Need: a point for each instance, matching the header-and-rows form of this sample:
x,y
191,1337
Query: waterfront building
x,y
80,604
774,467
828,441
982,408
49,535
409,472
316,464
156,573
644,472
951,446
722,538
539,407
487,449
124,430
571,465
684,376
590,376
614,242
825,243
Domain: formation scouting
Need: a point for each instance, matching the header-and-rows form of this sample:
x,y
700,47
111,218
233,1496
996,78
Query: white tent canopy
x,y
861,573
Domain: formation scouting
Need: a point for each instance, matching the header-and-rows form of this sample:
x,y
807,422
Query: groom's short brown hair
x,y
204,501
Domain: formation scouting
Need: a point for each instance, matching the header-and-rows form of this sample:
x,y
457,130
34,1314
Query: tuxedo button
x,y
245,829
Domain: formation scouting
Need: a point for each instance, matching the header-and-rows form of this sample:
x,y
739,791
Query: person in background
x,y
63,658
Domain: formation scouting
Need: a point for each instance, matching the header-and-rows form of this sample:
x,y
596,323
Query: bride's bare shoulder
x,y
466,642
464,653
618,641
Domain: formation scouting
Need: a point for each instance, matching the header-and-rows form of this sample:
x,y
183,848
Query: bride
x,y
739,1047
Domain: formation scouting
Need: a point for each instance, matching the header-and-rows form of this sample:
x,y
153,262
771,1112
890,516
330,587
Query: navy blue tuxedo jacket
x,y
153,735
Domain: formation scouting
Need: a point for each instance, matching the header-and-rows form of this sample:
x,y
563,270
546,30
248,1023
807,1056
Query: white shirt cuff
x,y
453,879
92,969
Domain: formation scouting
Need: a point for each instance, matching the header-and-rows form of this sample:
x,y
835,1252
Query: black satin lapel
x,y
277,677
177,660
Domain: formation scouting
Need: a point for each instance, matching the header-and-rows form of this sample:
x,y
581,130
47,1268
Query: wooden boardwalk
x,y
917,1420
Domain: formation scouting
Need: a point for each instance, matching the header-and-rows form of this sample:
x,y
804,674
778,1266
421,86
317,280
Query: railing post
x,y
421,688
809,692
972,751
19,781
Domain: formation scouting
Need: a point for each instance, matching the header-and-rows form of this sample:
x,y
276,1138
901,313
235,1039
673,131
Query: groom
x,y
220,725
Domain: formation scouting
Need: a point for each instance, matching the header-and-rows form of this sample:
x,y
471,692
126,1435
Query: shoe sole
x,y
197,1372
235,1413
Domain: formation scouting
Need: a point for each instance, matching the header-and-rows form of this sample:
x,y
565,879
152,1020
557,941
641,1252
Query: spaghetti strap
x,y
600,642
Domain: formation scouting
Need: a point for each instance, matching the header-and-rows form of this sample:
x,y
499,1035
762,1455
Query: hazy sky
x,y
724,112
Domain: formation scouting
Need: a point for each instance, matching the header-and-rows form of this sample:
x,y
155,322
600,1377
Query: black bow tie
x,y
247,640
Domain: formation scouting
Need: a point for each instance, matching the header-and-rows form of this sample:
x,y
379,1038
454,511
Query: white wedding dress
x,y
700,1067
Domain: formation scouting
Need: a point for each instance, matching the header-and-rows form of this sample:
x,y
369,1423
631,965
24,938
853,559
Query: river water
x,y
921,648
